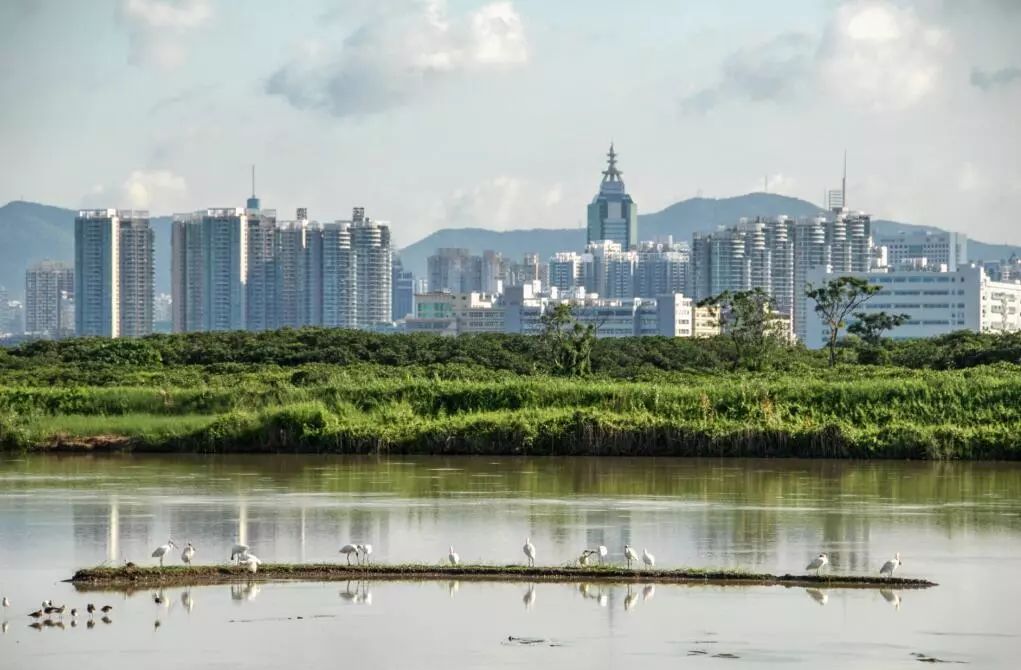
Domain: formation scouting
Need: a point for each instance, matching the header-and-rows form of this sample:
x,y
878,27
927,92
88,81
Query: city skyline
x,y
931,142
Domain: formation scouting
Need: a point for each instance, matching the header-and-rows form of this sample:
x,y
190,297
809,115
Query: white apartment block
x,y
137,274
936,302
49,290
938,248
209,270
371,243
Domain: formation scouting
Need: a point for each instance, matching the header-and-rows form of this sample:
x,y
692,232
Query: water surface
x,y
958,524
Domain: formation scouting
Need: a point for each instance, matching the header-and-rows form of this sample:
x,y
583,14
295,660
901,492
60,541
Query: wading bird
x,y
36,614
163,550
90,608
365,550
891,565
349,549
603,551
529,550
648,558
74,612
6,602
188,554
106,609
818,563
629,554
586,554
252,563
238,551
453,557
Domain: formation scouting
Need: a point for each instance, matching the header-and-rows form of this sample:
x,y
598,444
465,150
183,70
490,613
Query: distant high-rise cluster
x,y
113,273
236,269
49,299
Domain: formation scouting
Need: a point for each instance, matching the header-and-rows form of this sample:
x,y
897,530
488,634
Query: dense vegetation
x,y
958,396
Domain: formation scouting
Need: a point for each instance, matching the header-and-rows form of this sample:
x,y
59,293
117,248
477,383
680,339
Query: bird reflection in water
x,y
106,619
358,594
90,624
453,586
589,593
4,626
630,600
243,592
648,592
529,598
818,596
891,597
187,600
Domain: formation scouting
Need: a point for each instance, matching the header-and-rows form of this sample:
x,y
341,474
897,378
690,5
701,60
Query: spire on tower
x,y
611,173
253,202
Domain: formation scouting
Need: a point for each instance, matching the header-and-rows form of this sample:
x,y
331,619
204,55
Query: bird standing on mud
x,y
238,551
349,549
188,554
453,557
365,550
163,550
890,566
629,554
818,563
648,558
529,550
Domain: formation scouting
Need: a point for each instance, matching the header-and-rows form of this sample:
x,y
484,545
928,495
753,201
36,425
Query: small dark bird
x,y
106,609
74,611
59,611
157,598
74,624
157,625
36,614
50,610
90,624
107,619
90,608
48,623
36,625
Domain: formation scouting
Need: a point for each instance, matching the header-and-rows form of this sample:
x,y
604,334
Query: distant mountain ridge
x,y
32,232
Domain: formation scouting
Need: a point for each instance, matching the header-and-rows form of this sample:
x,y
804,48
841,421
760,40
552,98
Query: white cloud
x,y
776,183
396,57
158,28
881,55
160,190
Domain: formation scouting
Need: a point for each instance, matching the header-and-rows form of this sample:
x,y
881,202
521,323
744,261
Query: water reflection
x,y
648,592
818,595
243,591
529,597
359,594
187,600
453,586
891,597
630,599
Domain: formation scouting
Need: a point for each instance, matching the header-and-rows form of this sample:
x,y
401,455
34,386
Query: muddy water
x,y
959,524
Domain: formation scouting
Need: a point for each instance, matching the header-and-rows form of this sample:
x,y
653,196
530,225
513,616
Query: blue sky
x,y
497,114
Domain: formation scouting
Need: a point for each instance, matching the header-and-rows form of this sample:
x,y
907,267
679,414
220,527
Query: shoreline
x,y
131,577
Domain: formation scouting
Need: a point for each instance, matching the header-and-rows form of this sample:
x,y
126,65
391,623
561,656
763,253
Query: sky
x,y
454,113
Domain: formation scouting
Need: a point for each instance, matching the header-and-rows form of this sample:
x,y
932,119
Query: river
x,y
958,524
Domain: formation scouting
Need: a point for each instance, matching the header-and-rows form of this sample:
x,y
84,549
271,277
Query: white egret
x,y
529,550
163,550
629,554
238,551
188,554
349,549
603,551
252,563
891,565
648,559
365,550
453,557
818,563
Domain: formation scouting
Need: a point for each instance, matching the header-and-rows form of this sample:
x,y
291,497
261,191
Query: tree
x,y
834,300
749,322
870,327
568,342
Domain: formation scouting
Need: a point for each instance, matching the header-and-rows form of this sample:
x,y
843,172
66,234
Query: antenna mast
x,y
843,183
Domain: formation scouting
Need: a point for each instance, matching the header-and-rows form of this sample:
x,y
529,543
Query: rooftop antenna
x,y
253,180
843,183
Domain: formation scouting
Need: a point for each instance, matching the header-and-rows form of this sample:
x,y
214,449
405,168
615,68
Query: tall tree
x,y
749,322
835,300
870,327
568,343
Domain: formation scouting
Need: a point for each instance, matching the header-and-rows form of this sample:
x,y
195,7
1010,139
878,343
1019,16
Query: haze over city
x,y
497,114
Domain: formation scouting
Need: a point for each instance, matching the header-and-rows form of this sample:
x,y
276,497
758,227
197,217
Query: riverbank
x,y
135,577
345,392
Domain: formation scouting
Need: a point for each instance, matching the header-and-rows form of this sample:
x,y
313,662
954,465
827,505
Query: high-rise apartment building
x,y
260,286
290,274
663,268
458,271
565,270
49,300
612,214
371,243
608,270
530,269
403,287
137,274
209,270
332,272
97,272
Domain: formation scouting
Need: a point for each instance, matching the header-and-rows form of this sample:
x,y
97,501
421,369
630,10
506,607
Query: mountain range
x,y
32,232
